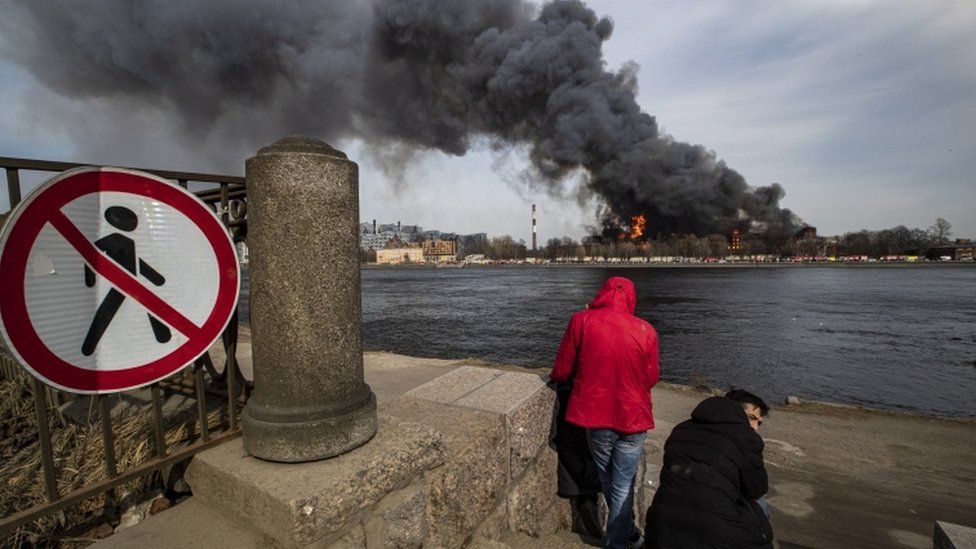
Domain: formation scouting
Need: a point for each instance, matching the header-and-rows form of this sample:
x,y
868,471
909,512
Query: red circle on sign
x,y
43,207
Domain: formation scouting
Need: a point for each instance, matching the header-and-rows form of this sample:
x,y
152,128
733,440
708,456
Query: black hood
x,y
727,416
719,410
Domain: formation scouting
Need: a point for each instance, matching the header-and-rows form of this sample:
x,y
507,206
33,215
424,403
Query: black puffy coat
x,y
712,474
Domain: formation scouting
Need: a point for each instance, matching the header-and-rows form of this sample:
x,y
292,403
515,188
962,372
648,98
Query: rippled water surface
x,y
887,337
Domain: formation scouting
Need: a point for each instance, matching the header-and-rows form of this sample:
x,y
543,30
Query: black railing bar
x,y
201,401
49,166
224,203
228,340
9,371
12,522
13,186
230,367
158,421
189,389
220,207
44,437
231,392
105,413
213,196
215,191
53,396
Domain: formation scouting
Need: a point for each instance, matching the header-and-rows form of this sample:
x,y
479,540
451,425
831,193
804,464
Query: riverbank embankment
x,y
840,476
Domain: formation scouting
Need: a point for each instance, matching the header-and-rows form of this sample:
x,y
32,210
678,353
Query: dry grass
x,y
79,461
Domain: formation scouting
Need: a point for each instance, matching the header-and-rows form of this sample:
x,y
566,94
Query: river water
x,y
886,337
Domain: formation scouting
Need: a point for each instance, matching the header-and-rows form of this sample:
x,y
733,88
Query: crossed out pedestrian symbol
x,y
123,250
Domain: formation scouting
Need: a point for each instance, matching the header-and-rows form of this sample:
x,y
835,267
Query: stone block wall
x,y
947,535
464,456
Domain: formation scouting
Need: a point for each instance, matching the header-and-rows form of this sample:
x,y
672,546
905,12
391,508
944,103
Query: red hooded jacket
x,y
612,356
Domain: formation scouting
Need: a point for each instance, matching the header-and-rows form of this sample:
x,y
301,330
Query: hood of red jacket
x,y
617,293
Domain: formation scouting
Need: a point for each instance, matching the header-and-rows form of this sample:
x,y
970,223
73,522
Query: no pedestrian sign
x,y
112,279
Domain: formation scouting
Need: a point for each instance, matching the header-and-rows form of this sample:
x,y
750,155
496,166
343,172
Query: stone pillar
x,y
310,400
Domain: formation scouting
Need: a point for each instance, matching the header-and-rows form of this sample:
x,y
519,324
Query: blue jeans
x,y
764,505
617,456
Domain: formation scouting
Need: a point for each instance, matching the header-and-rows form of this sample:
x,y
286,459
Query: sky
x,y
863,111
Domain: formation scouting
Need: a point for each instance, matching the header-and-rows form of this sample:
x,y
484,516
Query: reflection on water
x,y
900,338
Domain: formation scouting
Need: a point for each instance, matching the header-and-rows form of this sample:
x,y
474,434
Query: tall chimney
x,y
398,227
533,230
374,226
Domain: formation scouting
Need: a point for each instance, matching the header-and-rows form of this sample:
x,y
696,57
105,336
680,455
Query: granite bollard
x,y
310,400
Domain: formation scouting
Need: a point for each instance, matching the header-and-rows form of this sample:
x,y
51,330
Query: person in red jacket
x,y
613,358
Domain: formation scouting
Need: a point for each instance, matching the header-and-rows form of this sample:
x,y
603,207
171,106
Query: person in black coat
x,y
576,471
712,477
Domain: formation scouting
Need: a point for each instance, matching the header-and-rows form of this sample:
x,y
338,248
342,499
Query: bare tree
x,y
941,231
717,245
506,247
690,245
553,249
658,248
626,250
579,252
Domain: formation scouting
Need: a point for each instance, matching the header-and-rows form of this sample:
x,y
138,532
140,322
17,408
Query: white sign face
x,y
112,279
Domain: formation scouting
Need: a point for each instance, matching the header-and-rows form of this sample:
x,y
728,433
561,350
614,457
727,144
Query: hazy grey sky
x,y
863,111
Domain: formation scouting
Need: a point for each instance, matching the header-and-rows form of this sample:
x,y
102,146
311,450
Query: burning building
x,y
735,241
805,233
638,224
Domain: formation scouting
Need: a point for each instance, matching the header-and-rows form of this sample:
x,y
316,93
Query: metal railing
x,y
226,195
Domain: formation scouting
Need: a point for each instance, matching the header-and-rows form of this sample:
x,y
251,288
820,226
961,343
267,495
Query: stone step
x,y
559,540
297,504
953,536
192,523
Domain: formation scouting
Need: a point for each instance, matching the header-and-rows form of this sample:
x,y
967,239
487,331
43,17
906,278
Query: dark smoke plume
x,y
420,74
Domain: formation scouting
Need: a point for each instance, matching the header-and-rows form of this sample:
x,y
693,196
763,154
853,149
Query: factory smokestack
x,y
374,227
401,75
533,230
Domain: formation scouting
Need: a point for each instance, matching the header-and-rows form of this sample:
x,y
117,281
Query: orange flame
x,y
637,224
